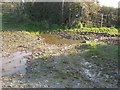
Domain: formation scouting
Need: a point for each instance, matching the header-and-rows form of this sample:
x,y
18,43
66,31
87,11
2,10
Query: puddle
x,y
15,63
89,70
56,39
90,75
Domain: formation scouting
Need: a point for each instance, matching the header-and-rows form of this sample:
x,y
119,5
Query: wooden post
x,y
101,20
70,15
62,11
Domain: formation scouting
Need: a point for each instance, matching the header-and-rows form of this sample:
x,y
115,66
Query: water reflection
x,y
15,63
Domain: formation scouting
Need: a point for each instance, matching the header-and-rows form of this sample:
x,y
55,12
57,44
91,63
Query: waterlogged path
x,y
50,64
55,71
15,63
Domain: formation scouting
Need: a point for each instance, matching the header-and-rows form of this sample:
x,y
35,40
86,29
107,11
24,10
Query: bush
x,y
111,31
44,24
77,24
89,24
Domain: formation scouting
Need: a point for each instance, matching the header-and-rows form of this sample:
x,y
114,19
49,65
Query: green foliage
x,y
104,52
101,54
89,14
40,27
39,11
48,17
44,24
89,24
93,44
45,56
111,31
77,24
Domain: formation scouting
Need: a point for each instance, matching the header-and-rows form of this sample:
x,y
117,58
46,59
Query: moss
x,y
72,52
45,56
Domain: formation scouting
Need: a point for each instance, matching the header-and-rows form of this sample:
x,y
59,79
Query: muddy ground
x,y
49,60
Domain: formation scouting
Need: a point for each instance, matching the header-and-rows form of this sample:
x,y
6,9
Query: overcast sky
x,y
113,3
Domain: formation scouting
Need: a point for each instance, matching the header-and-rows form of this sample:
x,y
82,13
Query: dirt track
x,y
48,64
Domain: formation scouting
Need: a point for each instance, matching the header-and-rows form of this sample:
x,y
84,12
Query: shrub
x,y
77,24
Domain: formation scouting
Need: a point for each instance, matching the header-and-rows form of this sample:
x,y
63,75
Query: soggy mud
x,y
87,36
45,61
15,63
57,72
